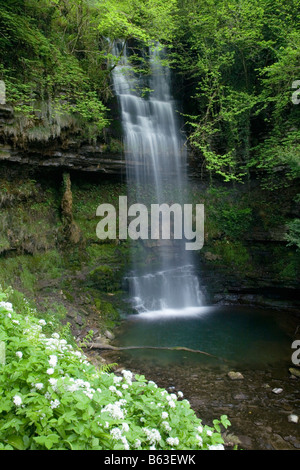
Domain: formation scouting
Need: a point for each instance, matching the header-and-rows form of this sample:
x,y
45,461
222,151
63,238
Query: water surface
x,y
241,336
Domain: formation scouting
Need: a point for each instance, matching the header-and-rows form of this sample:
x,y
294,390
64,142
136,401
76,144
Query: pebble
x,y
109,335
293,418
240,396
295,372
277,390
235,375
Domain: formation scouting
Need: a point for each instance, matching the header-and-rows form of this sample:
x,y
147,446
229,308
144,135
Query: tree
x,y
238,59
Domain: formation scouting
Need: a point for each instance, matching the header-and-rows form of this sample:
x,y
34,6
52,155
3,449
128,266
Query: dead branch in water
x,y
167,348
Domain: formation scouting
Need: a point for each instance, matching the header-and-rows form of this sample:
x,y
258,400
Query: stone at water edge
x,y
235,375
294,371
109,335
277,390
293,418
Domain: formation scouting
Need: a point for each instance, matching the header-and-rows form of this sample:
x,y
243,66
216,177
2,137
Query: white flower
x,y
153,435
173,441
117,379
17,400
72,388
114,410
166,425
7,305
112,388
137,443
127,376
200,429
39,386
180,394
125,443
19,354
116,433
124,386
199,438
125,427
42,322
55,335
172,404
209,432
53,382
164,415
53,360
216,447
50,371
54,403
16,322
150,382
88,394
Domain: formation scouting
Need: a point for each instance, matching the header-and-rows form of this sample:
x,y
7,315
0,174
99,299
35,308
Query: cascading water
x,y
156,166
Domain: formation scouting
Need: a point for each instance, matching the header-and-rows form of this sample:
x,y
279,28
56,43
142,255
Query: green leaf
x,y
47,441
17,442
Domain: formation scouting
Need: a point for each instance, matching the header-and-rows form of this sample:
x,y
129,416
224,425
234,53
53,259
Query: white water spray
x,y
156,159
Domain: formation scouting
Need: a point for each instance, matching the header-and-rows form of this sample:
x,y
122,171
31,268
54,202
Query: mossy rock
x,y
107,309
106,278
108,314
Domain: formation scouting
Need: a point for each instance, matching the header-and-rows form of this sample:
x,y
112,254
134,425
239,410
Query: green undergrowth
x,y
53,398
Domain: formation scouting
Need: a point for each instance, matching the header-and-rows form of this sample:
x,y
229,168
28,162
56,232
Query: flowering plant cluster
x,y
52,397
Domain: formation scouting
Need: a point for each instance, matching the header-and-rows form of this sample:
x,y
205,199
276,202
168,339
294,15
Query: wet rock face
x,y
57,145
85,158
6,114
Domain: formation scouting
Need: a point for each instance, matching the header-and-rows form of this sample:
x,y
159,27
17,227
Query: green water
x,y
241,336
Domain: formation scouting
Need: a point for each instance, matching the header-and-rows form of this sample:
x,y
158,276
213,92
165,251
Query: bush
x,y
53,398
233,254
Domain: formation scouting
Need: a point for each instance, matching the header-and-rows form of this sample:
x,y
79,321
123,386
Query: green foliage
x,y
25,270
106,278
239,60
235,221
57,52
233,253
293,235
52,398
286,263
236,61
146,20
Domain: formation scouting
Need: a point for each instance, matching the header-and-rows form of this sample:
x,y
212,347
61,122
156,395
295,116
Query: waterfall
x,y
156,170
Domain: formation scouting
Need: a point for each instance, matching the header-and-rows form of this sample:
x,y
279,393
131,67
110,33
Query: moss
x,y
286,264
108,314
233,254
106,278
24,271
4,244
